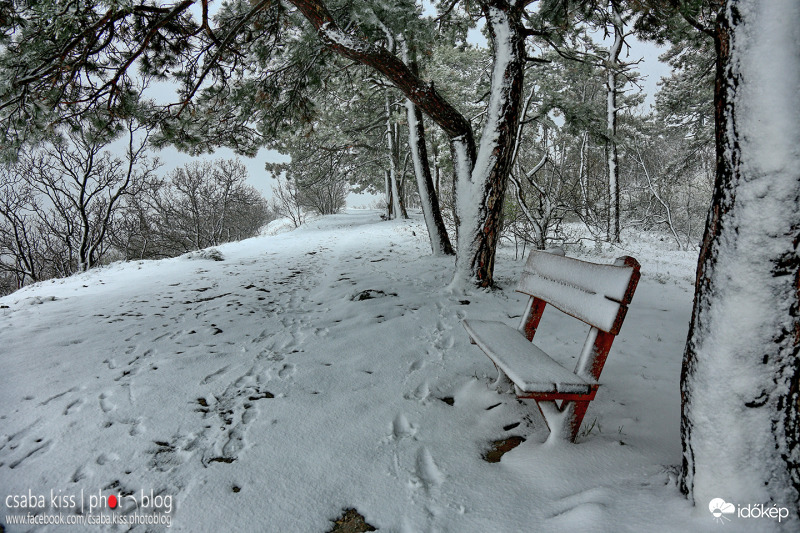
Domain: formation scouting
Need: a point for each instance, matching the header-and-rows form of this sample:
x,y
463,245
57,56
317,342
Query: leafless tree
x,y
59,201
287,202
201,204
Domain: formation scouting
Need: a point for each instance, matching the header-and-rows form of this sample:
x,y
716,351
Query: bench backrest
x,y
596,294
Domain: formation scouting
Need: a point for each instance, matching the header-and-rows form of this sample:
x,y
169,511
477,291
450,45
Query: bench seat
x,y
525,364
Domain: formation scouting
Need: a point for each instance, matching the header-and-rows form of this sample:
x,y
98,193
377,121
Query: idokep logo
x,y
719,508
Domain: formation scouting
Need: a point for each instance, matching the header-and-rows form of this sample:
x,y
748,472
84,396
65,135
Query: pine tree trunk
x,y
611,110
584,209
440,242
436,173
740,383
428,196
387,181
398,208
399,176
480,195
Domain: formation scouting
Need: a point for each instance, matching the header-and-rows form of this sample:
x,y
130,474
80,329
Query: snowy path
x,y
321,370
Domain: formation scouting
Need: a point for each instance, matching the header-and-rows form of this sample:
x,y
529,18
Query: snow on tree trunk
x,y
398,208
436,172
582,177
740,384
611,116
480,193
440,242
437,233
388,186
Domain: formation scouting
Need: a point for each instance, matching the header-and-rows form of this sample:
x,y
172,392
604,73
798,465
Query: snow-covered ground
x,y
313,371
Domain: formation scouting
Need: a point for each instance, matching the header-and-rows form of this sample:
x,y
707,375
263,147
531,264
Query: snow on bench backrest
x,y
590,292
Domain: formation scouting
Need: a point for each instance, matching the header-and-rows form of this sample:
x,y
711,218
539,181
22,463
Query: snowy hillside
x,y
325,369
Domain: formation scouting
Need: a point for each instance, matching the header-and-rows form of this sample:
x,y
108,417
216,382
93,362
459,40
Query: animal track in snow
x,y
214,375
420,394
73,406
444,343
59,395
104,458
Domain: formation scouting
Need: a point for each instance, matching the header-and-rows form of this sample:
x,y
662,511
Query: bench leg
x,y
502,384
578,412
565,421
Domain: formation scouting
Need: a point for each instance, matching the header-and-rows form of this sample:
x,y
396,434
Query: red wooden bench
x,y
595,294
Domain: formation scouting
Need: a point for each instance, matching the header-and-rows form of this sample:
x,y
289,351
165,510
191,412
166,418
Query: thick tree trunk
x,y
740,384
480,196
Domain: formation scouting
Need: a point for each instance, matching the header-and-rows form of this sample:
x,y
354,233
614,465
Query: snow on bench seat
x,y
531,369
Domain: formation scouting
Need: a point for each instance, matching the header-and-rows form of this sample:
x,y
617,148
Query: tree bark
x,y
440,242
612,69
428,196
584,208
740,382
479,200
387,181
398,206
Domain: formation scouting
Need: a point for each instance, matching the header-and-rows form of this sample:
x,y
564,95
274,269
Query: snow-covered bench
x,y
595,294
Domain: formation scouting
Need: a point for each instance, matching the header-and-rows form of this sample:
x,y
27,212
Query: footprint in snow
x,y
56,396
287,371
81,473
104,458
236,443
420,394
137,428
167,455
214,375
105,404
416,365
39,449
73,406
401,428
427,470
127,373
444,343
579,517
